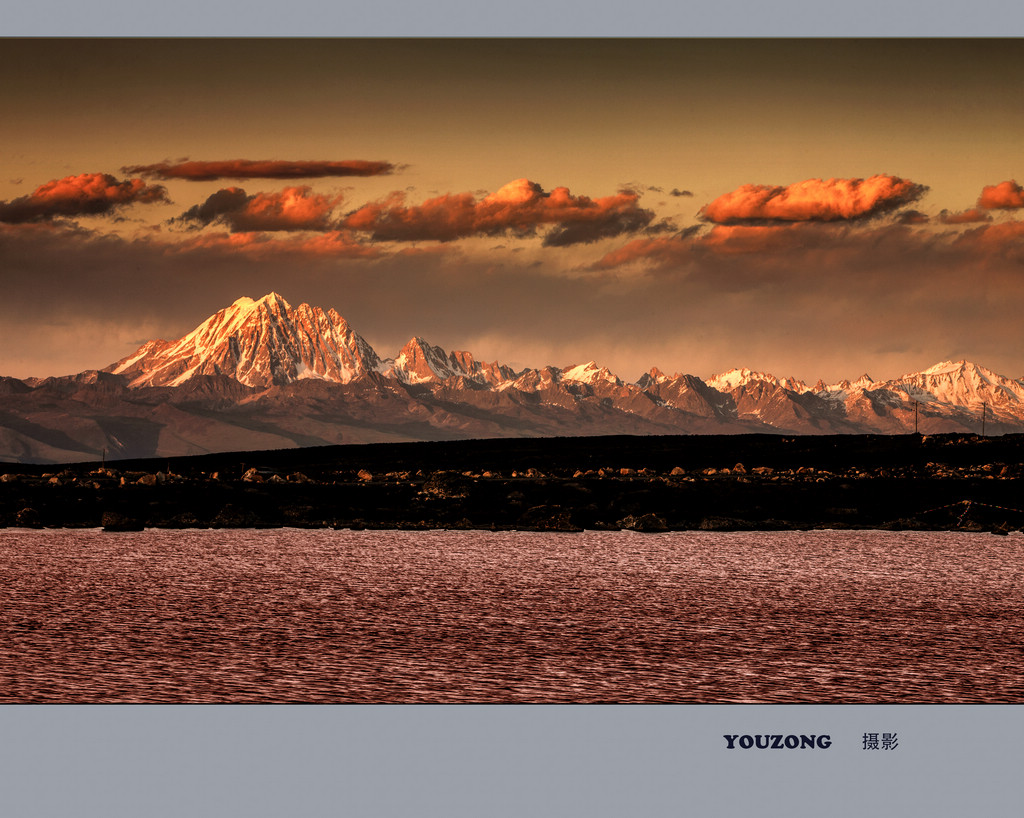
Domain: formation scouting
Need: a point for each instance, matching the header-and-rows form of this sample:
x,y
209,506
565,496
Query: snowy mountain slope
x,y
420,362
258,343
590,373
843,389
728,381
961,383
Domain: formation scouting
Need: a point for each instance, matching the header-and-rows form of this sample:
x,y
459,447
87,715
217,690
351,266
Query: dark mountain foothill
x,y
646,484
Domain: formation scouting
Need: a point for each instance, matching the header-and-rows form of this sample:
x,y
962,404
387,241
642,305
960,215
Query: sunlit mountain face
x,y
257,343
262,374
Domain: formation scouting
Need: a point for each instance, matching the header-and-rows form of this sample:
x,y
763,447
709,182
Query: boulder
x,y
548,518
115,521
233,517
643,522
446,486
28,518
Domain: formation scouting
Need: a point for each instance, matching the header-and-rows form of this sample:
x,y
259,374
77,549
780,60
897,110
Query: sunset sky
x,y
812,208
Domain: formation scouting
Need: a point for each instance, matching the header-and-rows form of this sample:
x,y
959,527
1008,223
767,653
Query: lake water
x,y
288,615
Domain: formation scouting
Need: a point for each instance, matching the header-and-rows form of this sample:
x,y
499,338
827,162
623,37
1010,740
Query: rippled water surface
x,y
387,616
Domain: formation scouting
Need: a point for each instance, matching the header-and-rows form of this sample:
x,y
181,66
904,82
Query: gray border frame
x,y
505,761
523,18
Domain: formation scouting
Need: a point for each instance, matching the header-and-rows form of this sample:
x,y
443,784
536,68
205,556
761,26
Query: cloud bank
x,y
1004,196
89,194
813,200
964,217
199,171
294,208
518,208
832,247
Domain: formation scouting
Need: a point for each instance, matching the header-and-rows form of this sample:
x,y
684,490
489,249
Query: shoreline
x,y
645,484
583,532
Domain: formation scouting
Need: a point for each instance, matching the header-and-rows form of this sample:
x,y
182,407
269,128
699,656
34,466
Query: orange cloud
x,y
197,171
520,207
816,246
765,242
965,217
337,244
332,244
813,200
659,252
218,241
1004,196
912,217
1003,240
294,208
89,194
746,239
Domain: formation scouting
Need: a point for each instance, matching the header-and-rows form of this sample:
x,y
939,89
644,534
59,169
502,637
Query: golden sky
x,y
812,208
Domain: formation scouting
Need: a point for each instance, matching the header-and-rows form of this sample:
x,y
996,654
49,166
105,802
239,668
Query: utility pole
x,y
983,419
915,417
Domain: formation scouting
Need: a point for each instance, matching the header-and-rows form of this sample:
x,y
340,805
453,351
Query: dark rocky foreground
x,y
940,482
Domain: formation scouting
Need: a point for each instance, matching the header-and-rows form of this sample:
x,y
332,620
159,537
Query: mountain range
x,y
261,374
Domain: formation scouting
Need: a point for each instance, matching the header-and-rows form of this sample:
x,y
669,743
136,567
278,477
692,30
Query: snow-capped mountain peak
x,y
844,387
959,383
590,373
420,362
945,368
260,343
727,381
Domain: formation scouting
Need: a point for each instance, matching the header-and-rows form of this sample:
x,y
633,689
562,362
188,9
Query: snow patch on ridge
x,y
590,373
727,381
959,383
